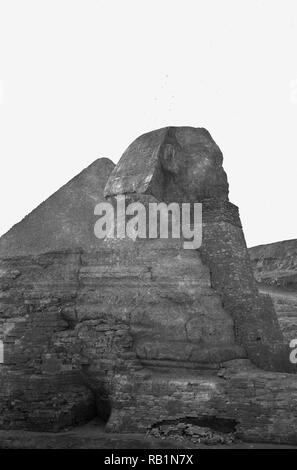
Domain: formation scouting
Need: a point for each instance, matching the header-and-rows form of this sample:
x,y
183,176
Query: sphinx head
x,y
181,164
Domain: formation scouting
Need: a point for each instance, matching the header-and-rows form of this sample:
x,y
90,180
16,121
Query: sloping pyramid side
x,y
63,221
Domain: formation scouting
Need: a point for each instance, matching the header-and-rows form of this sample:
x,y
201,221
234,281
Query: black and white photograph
x,y
148,229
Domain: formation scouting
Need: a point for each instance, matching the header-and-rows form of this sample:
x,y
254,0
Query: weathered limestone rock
x,y
275,264
177,164
241,400
37,304
275,269
164,295
285,304
144,333
185,165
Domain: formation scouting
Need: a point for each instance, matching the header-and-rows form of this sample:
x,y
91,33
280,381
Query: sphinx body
x,y
144,332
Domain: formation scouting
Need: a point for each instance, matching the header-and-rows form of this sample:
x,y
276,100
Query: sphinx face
x,y
181,164
192,166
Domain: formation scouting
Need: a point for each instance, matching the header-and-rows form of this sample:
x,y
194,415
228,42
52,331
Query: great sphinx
x,y
185,165
142,332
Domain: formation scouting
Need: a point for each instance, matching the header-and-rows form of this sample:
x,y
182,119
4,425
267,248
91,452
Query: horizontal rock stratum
x,y
275,264
275,269
142,333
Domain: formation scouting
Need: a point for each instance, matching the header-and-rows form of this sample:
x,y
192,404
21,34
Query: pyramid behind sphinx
x,y
65,220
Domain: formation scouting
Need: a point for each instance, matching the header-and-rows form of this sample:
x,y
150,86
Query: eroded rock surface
x,y
144,333
185,165
275,269
275,264
177,164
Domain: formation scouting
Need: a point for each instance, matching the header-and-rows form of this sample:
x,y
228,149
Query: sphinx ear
x,y
169,158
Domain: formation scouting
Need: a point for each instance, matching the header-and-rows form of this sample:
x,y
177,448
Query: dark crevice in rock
x,y
100,393
222,425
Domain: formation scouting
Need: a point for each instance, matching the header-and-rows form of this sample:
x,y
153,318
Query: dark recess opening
x,y
100,394
103,408
223,425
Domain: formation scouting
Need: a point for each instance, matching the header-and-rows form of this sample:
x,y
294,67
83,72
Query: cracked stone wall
x,y
88,315
77,348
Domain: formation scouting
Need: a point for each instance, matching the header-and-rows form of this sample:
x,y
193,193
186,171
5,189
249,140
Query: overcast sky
x,y
82,79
